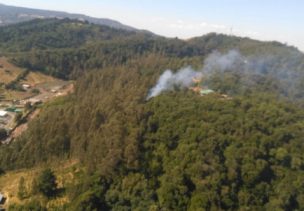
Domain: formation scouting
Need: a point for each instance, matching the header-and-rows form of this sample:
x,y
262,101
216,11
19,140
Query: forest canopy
x,y
178,150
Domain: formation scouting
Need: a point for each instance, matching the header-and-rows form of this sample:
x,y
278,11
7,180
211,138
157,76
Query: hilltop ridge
x,y
12,14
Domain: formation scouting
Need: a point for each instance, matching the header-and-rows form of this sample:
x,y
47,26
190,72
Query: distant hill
x,y
11,15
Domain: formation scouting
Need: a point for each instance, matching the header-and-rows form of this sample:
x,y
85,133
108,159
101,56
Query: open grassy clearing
x,y
67,173
34,78
8,71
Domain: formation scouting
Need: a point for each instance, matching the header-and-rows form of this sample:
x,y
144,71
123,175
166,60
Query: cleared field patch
x,y
66,173
8,71
34,78
16,95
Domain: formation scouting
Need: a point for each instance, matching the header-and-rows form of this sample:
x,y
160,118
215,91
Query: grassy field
x,y
13,95
34,78
8,71
65,174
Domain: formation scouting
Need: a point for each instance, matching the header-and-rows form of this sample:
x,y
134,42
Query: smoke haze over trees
x,y
286,72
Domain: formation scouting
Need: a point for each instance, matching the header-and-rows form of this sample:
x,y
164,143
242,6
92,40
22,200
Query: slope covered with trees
x,y
179,150
54,33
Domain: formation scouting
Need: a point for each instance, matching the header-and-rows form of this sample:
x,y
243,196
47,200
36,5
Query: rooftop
x,y
3,113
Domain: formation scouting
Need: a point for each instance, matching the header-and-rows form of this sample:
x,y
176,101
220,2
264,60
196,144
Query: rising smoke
x,y
183,77
169,80
280,68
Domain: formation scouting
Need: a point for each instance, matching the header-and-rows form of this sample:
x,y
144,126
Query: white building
x,y
3,113
26,86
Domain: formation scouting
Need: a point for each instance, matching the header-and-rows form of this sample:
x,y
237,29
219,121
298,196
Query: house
x,y
26,86
3,113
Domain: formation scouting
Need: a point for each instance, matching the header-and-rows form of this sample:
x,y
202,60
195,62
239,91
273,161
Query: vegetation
x,y
11,15
15,85
18,118
3,133
177,151
46,183
22,190
32,205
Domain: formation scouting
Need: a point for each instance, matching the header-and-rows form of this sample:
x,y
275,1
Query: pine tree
x,y
47,183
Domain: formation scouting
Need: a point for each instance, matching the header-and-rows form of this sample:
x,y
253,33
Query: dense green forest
x,y
177,151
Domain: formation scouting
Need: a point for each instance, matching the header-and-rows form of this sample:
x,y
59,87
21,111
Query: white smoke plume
x,y
283,69
183,77
169,80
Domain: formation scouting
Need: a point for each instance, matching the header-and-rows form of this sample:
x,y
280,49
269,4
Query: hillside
x,y
54,33
237,148
12,15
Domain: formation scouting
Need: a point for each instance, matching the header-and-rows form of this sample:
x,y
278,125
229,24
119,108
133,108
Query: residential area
x,y
22,93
